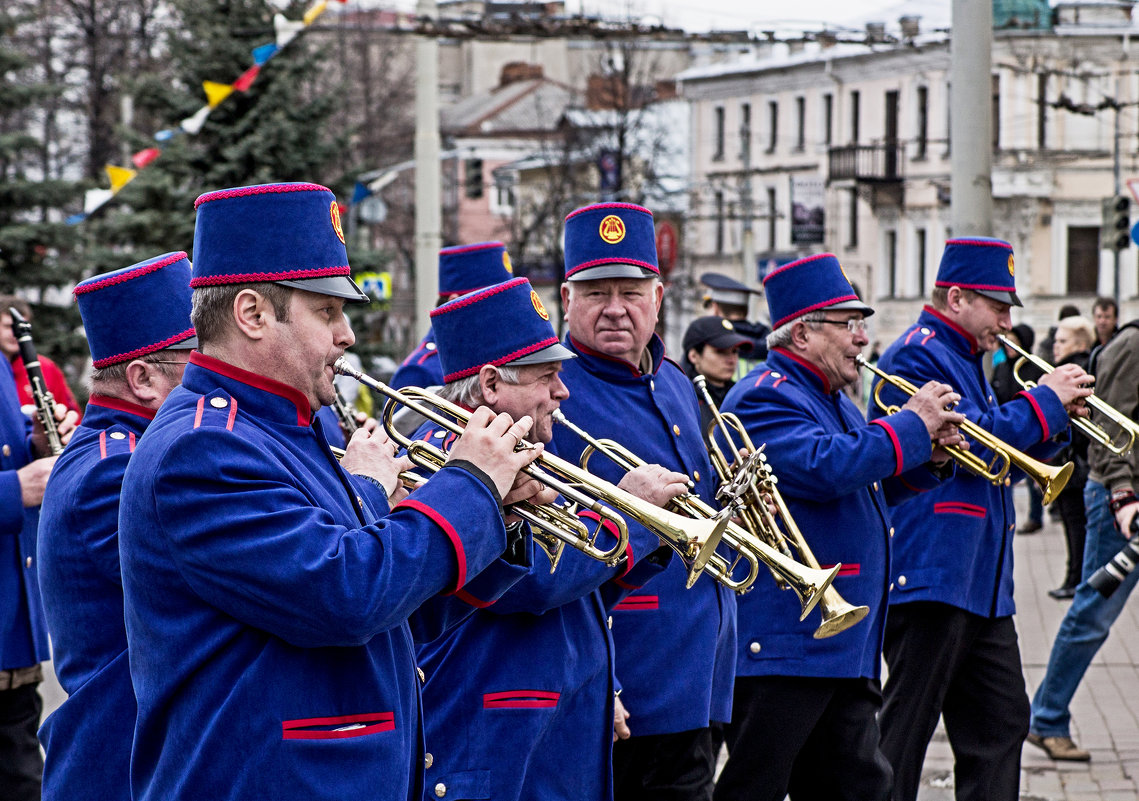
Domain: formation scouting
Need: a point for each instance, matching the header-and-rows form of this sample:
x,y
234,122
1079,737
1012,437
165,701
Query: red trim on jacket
x,y
294,396
1038,412
637,603
119,405
959,508
894,439
521,699
806,364
300,729
448,529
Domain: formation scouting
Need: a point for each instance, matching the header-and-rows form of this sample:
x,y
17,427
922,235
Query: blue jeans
x,y
1087,624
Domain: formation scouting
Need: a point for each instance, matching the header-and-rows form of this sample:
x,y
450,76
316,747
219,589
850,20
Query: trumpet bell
x,y
1053,479
838,615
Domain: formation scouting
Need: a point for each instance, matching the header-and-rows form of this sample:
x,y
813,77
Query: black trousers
x,y
664,767
21,766
945,661
1070,502
816,738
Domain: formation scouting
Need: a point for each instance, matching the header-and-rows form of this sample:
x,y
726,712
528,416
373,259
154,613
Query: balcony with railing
x,y
875,164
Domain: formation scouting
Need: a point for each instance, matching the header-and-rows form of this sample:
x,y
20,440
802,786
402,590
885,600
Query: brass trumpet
x,y
697,538
1050,478
838,614
1120,444
808,583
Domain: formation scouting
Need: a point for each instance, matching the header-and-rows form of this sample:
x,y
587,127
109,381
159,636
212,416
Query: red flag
x,y
144,157
246,80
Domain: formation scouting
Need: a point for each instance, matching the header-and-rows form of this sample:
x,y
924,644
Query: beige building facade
x,y
868,122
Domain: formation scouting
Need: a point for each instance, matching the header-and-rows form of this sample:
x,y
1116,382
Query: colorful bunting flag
x,y
120,177
164,135
286,29
192,125
264,53
359,193
315,11
94,198
243,83
144,157
216,92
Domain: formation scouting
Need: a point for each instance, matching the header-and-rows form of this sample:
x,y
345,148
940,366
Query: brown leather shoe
x,y
1060,748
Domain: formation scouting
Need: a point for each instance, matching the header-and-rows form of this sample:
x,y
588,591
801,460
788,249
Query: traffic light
x,y
473,179
1115,230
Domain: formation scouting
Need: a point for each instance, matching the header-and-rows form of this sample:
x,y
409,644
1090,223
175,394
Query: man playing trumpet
x,y
950,643
804,709
530,675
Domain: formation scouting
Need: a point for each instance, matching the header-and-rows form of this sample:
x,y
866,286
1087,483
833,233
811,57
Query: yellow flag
x,y
216,92
314,12
120,177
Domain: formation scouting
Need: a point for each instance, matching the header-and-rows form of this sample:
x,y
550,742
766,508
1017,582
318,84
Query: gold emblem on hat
x,y
538,307
334,210
1010,270
728,325
612,229
506,262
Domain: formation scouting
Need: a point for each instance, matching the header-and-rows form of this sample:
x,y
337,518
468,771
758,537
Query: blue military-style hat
x,y
467,268
137,310
610,240
807,285
289,234
723,289
502,324
982,264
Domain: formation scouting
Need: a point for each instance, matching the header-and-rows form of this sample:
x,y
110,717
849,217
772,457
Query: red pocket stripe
x,y
847,569
635,603
521,699
958,508
373,722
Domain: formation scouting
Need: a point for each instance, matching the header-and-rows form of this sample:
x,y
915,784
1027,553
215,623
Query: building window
x,y
1083,260
718,133
852,232
771,218
948,117
745,132
923,122
828,118
855,112
800,123
719,223
996,87
1042,110
892,264
772,124
921,245
472,178
502,199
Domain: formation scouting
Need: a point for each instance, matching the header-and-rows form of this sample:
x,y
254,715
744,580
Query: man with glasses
x,y
950,644
137,321
803,717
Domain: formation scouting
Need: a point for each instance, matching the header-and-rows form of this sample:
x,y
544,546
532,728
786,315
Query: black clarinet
x,y
1107,579
45,403
345,414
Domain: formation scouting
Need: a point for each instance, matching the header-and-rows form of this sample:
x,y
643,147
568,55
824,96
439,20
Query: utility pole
x,y
1116,188
970,118
748,238
428,214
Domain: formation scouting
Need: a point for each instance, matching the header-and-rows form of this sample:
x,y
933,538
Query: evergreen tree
x,y
34,241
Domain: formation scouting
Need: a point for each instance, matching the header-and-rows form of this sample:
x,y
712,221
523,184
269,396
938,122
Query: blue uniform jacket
x,y
23,634
266,604
831,468
422,367
87,740
530,677
675,656
954,544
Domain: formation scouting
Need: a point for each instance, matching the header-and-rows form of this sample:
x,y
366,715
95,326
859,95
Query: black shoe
x,y
1031,527
1062,593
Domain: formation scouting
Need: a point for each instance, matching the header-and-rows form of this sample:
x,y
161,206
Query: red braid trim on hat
x,y
129,275
980,243
287,275
599,206
467,300
134,354
518,354
265,189
798,263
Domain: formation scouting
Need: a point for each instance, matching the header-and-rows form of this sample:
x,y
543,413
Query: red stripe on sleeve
x,y
894,440
1039,413
448,529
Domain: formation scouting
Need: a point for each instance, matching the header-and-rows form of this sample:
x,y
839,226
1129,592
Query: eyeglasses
x,y
855,326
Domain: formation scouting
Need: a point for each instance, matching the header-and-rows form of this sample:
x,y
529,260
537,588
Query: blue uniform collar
x,y
104,411
798,367
272,399
612,368
952,334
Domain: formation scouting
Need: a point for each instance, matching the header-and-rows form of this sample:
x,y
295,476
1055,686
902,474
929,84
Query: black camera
x,y
1107,579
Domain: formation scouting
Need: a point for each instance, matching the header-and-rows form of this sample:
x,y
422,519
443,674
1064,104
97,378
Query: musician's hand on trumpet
x,y
934,403
1072,385
490,442
653,483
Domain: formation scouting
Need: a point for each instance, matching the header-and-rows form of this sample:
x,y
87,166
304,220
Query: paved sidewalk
x,y
1105,711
